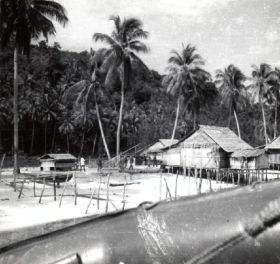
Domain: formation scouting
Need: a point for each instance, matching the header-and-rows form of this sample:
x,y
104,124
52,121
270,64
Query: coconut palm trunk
x,y
264,123
15,110
176,120
101,128
68,145
32,137
46,129
237,123
123,86
276,116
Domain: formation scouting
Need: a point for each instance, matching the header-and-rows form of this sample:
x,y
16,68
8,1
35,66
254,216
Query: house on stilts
x,y
156,149
209,147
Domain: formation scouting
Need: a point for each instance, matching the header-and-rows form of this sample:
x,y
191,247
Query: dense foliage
x,y
52,119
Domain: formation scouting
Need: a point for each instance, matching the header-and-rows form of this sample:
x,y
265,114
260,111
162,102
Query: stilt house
x,y
57,162
249,159
273,152
156,148
208,147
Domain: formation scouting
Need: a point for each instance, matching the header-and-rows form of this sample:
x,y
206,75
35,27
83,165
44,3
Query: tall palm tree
x,y
259,89
188,82
273,80
20,22
231,87
123,43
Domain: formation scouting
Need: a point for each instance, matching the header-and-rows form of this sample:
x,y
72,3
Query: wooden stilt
x,y
232,176
209,180
160,185
124,195
189,180
21,189
75,189
54,189
176,185
107,191
65,183
200,181
266,179
92,193
98,192
195,176
167,190
238,179
34,187
42,192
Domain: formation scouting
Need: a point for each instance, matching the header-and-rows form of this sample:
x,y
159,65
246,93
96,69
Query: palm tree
x,y
123,42
187,81
259,89
230,83
20,22
273,80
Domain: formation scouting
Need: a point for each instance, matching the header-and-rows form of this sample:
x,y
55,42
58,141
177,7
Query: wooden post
x,y
54,189
107,198
195,177
176,185
75,188
217,175
266,175
124,195
1,165
92,193
232,176
44,182
209,180
34,187
160,185
189,180
98,192
200,181
65,183
238,179
20,192
167,189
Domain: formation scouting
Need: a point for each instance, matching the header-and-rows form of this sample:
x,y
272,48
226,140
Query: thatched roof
x,y
274,144
247,153
60,156
159,145
222,137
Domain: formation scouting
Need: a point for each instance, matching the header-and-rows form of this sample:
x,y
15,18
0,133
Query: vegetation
x,y
106,101
22,21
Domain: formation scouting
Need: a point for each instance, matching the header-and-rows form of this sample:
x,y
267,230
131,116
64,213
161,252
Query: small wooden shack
x,y
208,147
57,162
249,159
273,151
156,148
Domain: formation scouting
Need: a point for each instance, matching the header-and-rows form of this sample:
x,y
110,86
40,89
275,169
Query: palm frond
x,y
138,46
117,22
104,38
51,9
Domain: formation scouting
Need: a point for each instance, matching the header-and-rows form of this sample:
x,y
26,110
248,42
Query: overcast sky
x,y
243,32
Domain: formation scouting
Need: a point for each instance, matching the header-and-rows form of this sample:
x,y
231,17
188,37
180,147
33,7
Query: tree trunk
x,y
68,147
93,145
82,143
264,123
15,110
46,127
101,128
237,123
276,116
124,83
53,138
32,137
194,119
1,145
176,120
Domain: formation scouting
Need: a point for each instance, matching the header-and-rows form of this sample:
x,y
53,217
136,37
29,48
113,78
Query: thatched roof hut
x,y
207,147
249,159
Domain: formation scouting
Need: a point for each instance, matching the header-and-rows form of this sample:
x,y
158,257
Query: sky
x,y
239,32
